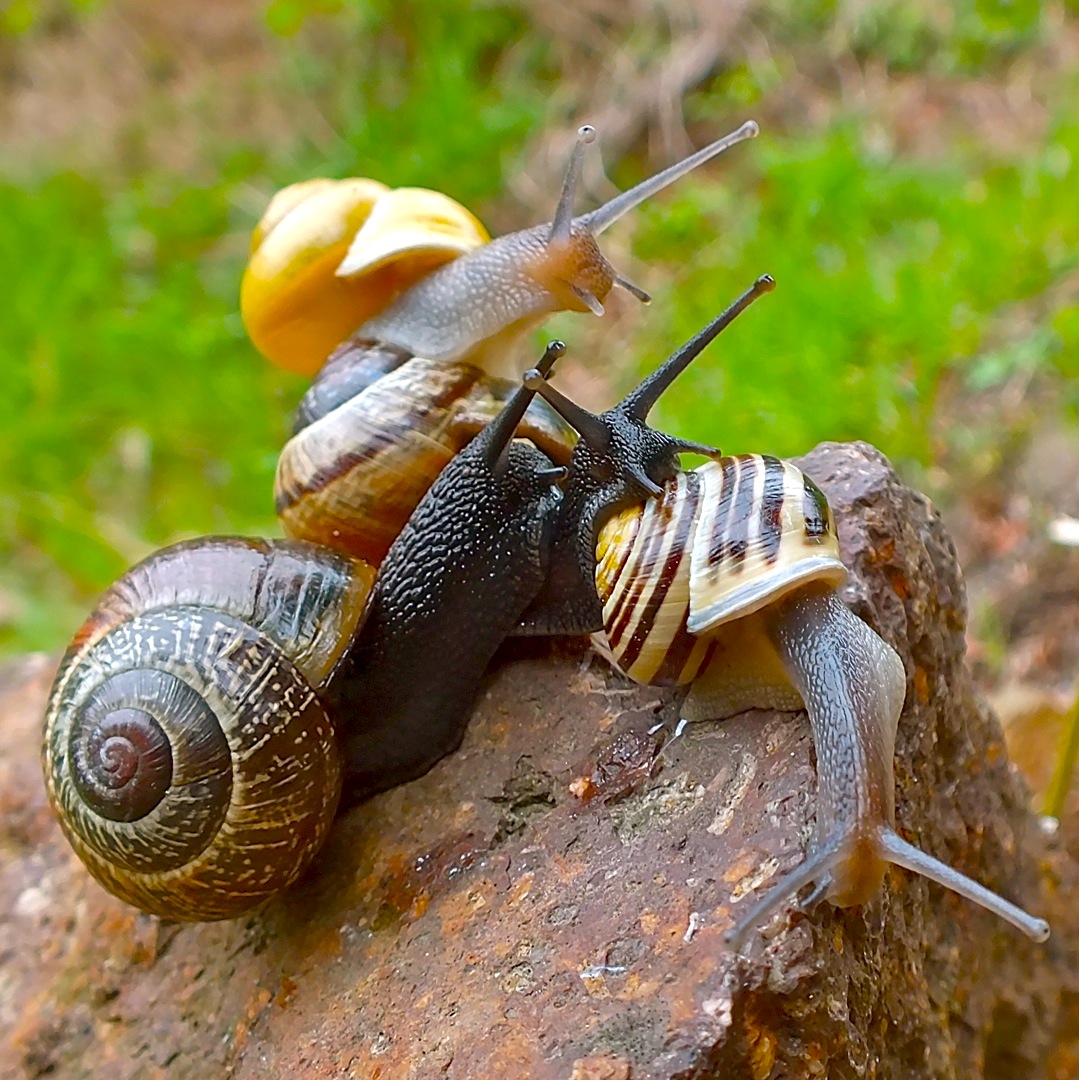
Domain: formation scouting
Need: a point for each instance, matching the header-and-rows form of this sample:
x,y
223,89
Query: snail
x,y
724,578
294,304
206,716
430,358
337,663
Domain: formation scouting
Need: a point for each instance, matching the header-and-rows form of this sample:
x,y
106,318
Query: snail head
x,y
618,451
564,257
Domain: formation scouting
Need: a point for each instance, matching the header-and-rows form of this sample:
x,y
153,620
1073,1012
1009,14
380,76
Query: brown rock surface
x,y
549,901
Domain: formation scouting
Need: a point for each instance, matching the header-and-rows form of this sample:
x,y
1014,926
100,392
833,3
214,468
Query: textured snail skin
x,y
829,651
193,735
474,552
782,647
406,691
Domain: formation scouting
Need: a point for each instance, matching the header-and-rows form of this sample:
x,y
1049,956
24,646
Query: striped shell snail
x,y
207,713
428,365
724,578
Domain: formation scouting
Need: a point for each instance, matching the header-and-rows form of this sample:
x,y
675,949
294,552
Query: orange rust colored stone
x,y
582,788
741,867
900,586
285,992
921,684
483,978
601,1068
762,1052
649,921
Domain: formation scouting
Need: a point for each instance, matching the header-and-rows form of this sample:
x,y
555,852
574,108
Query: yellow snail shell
x,y
327,255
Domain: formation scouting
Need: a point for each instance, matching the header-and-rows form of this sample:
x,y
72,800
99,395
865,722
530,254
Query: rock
x,y
550,900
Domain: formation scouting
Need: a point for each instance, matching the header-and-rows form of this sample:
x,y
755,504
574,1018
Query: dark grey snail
x,y
724,579
435,306
429,354
206,715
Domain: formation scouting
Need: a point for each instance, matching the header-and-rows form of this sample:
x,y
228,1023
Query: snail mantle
x,y
550,901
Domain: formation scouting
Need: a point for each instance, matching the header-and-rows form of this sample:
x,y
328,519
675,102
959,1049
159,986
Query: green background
x,y
912,192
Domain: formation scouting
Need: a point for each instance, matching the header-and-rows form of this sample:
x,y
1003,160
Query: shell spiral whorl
x,y
187,752
373,432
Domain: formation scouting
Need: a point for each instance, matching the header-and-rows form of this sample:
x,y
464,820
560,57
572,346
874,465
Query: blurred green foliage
x,y
134,412
889,273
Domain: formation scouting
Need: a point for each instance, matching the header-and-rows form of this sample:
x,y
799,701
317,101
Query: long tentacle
x,y
640,401
853,686
898,851
606,215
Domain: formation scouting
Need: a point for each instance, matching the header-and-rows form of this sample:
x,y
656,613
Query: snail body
x,y
208,712
724,579
429,356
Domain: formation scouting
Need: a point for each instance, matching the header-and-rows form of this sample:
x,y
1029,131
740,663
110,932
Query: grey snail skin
x,y
205,716
418,377
170,706
724,579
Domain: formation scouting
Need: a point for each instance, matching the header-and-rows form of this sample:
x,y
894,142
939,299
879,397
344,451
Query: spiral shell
x,y
722,542
374,431
329,254
187,753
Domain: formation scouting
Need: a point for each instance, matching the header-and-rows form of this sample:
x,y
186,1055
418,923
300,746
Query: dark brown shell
x,y
375,430
187,752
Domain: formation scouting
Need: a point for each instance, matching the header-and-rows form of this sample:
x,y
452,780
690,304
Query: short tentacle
x,y
816,868
494,440
588,425
853,686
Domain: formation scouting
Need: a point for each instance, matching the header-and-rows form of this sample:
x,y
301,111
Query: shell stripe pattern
x,y
764,546
374,432
227,791
320,458
351,478
754,528
642,576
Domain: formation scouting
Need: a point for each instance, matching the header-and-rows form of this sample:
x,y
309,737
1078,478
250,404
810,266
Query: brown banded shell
x,y
329,254
187,753
375,430
722,542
